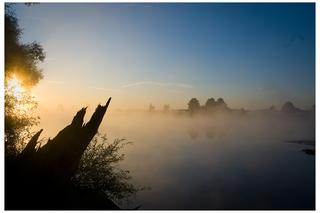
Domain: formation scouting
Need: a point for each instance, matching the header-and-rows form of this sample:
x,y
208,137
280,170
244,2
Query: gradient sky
x,y
252,55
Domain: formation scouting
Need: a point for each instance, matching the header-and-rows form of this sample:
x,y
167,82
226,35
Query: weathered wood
x,y
40,178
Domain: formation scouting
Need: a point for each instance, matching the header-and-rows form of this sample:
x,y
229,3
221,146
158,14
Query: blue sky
x,y
252,55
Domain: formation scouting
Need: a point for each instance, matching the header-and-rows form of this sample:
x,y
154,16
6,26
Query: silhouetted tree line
x,y
219,105
210,106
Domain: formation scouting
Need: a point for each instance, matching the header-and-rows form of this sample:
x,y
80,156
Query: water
x,y
216,162
212,163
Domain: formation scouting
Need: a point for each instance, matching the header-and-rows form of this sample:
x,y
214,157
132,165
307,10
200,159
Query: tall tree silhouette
x,y
21,62
21,59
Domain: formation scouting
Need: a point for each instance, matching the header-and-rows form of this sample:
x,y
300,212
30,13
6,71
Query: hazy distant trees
x,y
216,106
288,107
210,103
166,108
221,104
151,108
210,106
193,105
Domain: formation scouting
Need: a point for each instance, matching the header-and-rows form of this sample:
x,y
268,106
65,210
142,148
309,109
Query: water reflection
x,y
209,133
193,133
235,164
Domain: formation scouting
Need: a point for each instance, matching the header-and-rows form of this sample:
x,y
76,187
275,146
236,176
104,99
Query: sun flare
x,y
15,87
22,99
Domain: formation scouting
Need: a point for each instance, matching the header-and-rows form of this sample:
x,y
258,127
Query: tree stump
x,y
40,178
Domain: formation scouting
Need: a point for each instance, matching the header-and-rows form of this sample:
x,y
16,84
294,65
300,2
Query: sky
x,y
251,55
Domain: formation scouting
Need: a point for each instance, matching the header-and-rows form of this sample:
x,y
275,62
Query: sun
x,y
18,96
15,87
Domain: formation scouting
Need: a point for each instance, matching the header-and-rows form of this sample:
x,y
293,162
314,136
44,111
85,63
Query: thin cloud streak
x,y
141,83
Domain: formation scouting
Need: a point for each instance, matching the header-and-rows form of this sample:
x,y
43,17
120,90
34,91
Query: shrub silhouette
x,y
98,169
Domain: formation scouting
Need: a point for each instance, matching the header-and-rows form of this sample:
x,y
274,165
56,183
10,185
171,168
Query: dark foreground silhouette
x,y
39,178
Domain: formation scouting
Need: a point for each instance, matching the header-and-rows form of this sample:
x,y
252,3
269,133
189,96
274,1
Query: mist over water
x,y
60,57
212,162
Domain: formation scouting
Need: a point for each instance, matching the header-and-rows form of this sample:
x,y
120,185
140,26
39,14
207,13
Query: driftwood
x,y
39,178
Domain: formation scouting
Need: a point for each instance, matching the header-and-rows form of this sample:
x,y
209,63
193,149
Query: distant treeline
x,y
219,105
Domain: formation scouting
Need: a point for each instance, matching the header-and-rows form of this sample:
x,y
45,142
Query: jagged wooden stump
x,y
39,178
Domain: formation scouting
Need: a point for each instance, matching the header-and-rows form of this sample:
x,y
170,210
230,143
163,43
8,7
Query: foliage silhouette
x,y
21,59
21,62
18,120
98,169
